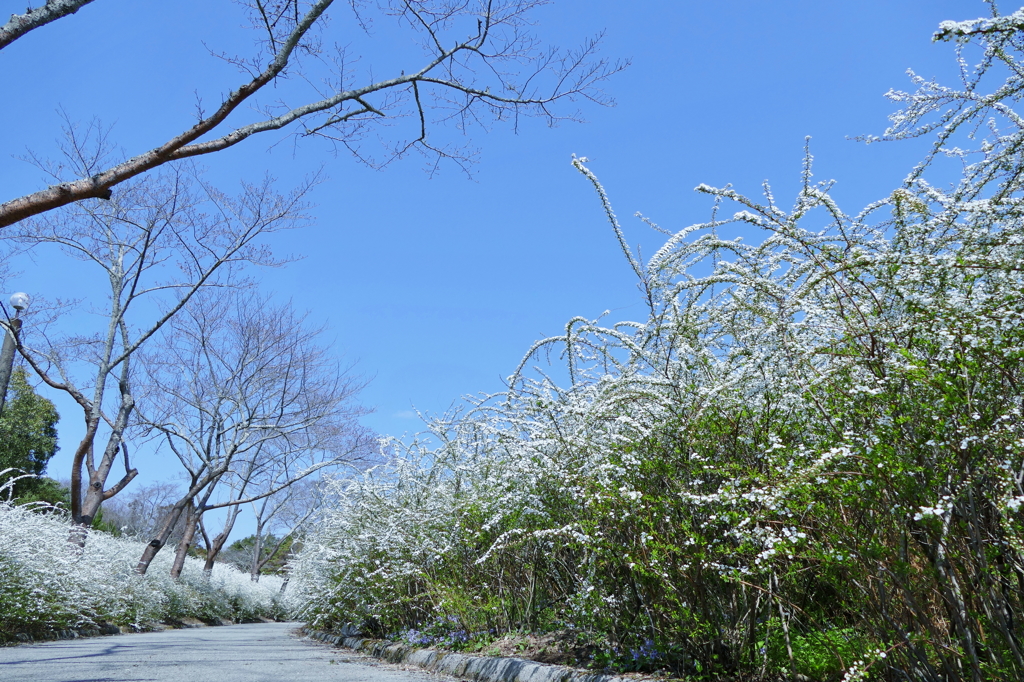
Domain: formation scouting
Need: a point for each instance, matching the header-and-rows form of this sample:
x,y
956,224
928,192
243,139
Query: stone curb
x,y
478,668
100,630
105,629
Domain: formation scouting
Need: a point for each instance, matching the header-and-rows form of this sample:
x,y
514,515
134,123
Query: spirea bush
x,y
48,584
807,460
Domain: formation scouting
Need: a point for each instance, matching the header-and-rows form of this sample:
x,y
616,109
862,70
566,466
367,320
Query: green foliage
x,y
28,437
819,655
47,491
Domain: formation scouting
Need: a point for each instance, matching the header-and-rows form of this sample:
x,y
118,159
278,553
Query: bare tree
x,y
239,484
282,515
249,483
479,64
246,397
164,238
280,521
138,510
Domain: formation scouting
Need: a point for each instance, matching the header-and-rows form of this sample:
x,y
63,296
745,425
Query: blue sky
x,y
436,286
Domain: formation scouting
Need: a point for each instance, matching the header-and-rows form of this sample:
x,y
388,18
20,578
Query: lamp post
x,y
19,302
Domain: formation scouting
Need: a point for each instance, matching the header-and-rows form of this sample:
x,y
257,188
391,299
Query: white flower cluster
x,y
859,670
940,510
45,582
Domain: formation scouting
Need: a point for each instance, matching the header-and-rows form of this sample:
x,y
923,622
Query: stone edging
x,y
99,630
102,630
478,668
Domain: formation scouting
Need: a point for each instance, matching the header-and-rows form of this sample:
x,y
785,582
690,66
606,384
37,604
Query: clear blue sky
x,y
438,285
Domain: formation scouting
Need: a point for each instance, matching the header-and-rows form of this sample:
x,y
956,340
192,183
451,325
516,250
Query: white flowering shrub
x,y
48,584
807,459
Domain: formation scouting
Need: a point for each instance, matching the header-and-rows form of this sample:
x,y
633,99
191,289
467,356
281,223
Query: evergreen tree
x,y
28,438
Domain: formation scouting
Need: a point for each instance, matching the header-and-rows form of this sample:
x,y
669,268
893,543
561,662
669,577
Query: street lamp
x,y
19,302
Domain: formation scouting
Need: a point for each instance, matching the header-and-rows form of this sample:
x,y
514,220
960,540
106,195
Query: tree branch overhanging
x,y
20,24
452,72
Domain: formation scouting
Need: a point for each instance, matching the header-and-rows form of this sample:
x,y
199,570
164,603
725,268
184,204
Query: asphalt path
x,y
235,653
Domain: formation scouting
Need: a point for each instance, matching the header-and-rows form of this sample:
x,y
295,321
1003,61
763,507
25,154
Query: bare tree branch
x,y
450,72
20,24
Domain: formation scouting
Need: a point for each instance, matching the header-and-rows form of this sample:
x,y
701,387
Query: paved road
x,y
237,653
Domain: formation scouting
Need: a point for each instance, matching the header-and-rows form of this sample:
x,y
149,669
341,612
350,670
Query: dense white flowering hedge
x,y
799,461
807,459
48,584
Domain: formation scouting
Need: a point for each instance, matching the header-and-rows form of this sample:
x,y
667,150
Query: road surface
x,y
236,653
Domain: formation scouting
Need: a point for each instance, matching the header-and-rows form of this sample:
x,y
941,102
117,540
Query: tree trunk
x,y
175,514
185,542
217,545
160,540
257,550
83,511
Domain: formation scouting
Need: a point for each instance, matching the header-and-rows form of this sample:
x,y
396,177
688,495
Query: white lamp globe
x,y
19,301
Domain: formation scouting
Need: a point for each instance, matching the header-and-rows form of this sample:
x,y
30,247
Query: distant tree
x,y
287,513
28,437
138,511
479,64
281,515
260,554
